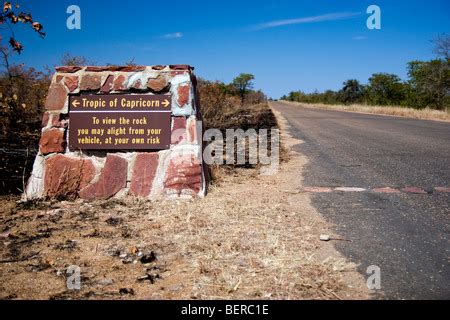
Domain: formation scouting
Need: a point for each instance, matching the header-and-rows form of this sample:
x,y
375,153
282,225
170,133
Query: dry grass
x,y
233,115
222,110
427,113
249,239
230,245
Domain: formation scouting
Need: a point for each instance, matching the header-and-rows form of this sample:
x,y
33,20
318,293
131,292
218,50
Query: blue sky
x,y
287,45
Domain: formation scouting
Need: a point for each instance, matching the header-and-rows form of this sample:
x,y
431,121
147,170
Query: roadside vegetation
x,y
426,114
22,95
427,86
234,105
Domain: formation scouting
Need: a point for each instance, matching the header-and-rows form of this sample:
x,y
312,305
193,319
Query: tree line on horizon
x,y
427,86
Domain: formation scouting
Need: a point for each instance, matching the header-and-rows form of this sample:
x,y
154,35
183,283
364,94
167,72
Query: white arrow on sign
x,y
75,103
165,103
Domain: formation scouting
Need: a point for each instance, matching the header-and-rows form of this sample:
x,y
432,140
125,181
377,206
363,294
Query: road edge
x,y
351,278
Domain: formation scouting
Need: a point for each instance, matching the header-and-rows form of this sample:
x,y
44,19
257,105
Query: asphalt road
x,y
406,235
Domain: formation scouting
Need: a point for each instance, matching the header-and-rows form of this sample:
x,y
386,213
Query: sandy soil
x,y
252,237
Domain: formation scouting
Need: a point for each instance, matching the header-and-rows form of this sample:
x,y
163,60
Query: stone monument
x,y
120,131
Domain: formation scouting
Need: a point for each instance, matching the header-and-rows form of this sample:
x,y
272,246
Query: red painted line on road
x,y
414,190
350,189
317,189
386,190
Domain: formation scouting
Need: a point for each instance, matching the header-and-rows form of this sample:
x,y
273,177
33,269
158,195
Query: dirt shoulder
x,y
252,237
425,114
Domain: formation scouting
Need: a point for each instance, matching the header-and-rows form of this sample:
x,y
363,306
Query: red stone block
x,y
71,82
144,171
131,68
184,173
158,84
192,131
108,85
56,97
177,72
64,176
52,140
115,68
91,82
59,121
56,120
113,178
119,83
137,84
181,67
68,69
183,94
183,130
45,119
97,68
178,130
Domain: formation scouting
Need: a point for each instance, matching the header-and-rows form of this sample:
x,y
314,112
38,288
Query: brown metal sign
x,y
123,122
